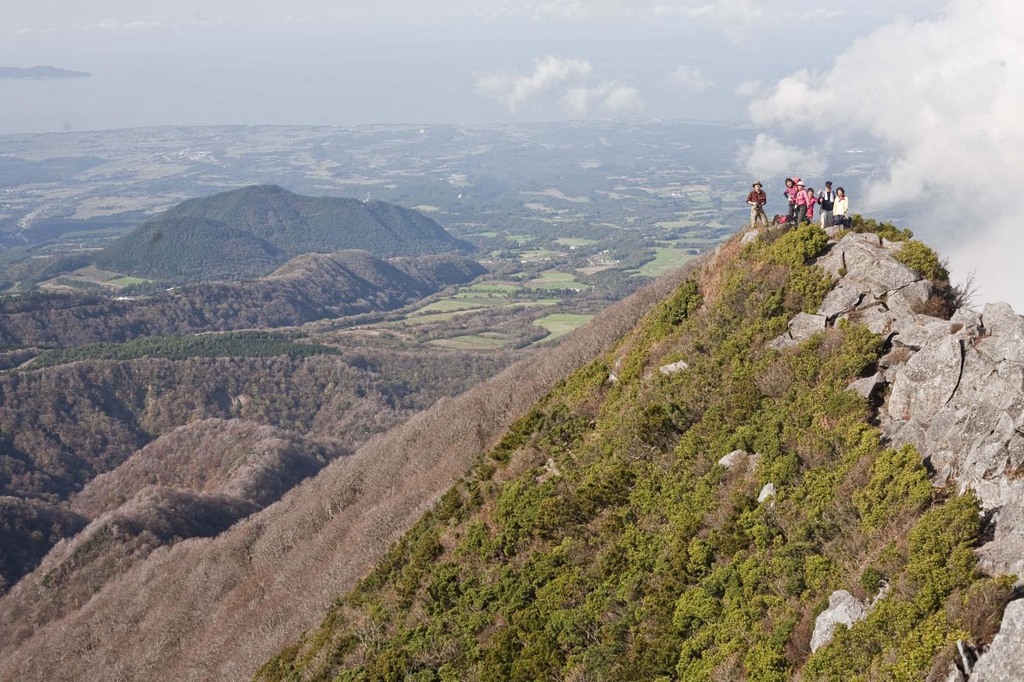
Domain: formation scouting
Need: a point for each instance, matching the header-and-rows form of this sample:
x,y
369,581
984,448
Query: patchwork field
x,y
665,259
560,324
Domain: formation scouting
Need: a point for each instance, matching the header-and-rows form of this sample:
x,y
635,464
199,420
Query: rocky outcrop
x,y
673,368
960,400
955,391
740,458
870,287
843,609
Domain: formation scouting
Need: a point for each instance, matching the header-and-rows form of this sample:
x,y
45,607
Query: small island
x,y
39,73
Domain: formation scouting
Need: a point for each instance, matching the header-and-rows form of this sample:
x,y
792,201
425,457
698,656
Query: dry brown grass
x,y
711,278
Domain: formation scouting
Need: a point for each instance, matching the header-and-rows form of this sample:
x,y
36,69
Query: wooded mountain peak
x,y
246,233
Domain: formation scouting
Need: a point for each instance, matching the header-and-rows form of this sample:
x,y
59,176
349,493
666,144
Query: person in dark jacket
x,y
826,200
757,199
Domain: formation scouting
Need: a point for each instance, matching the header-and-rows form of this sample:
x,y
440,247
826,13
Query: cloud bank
x,y
769,158
689,78
944,96
562,79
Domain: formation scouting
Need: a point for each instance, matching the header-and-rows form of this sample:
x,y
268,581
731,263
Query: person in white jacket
x,y
840,208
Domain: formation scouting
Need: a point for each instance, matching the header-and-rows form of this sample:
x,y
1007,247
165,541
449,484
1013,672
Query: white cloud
x,y
944,96
724,12
771,158
610,97
513,91
557,78
749,89
689,78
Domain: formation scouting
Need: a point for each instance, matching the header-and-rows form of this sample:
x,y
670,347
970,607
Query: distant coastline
x,y
39,73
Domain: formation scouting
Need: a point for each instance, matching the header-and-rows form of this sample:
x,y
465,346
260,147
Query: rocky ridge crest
x,y
952,388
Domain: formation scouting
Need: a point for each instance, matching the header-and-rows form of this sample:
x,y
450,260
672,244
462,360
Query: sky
x,y
935,84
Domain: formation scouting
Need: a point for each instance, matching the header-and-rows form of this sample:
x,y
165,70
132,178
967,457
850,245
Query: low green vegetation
x,y
537,255
601,538
471,342
575,241
665,259
128,281
232,344
553,279
461,303
560,324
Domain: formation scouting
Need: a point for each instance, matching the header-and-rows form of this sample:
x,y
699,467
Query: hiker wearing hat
x,y
826,199
757,199
790,194
800,214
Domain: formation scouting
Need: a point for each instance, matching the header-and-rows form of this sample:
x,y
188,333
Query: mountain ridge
x,y
612,533
675,492
310,288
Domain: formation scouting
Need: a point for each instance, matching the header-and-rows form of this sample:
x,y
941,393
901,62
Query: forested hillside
x,y
309,288
245,233
61,427
683,508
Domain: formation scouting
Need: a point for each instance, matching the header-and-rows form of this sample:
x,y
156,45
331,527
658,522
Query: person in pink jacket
x,y
790,194
800,212
810,200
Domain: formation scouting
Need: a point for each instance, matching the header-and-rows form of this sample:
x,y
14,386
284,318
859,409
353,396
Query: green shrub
x,y
885,230
898,483
922,259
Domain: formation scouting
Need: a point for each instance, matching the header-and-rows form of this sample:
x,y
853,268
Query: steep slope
x,y
213,608
190,248
685,507
241,234
104,411
28,529
308,288
192,482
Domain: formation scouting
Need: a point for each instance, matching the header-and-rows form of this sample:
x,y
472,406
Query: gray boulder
x,y
673,368
865,387
843,609
734,458
802,327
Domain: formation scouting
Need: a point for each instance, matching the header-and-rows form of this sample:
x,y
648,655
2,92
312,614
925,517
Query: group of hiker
x,y
834,206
